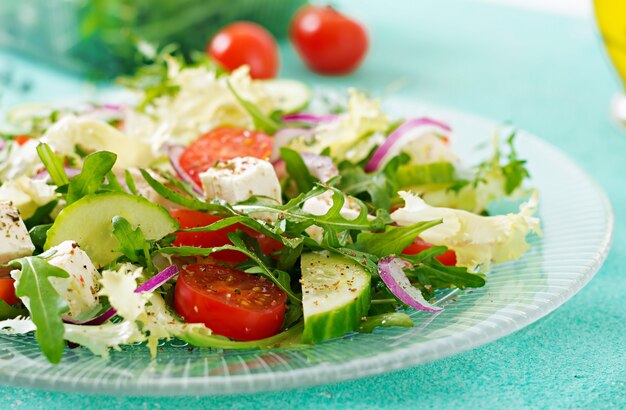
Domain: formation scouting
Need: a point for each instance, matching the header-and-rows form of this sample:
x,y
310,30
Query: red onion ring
x,y
173,153
309,118
391,272
396,136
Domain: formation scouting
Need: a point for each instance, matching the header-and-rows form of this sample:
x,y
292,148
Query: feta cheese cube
x,y
14,239
239,179
80,288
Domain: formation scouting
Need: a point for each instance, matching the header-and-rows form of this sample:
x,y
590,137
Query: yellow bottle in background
x,y
611,17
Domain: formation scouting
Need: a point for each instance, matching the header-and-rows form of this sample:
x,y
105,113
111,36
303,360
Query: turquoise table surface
x,y
547,74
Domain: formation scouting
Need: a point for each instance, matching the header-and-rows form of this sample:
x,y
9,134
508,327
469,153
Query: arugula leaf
x,y
95,168
53,164
379,187
41,215
39,234
133,244
261,121
432,274
130,182
297,169
185,201
11,312
393,241
112,183
46,305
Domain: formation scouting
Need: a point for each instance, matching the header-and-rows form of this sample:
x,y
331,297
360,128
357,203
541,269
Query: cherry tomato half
x,y
230,302
7,291
194,219
447,258
223,144
328,41
246,43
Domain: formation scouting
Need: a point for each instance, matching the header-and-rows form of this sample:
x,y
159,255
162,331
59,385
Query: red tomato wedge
x,y
222,144
448,258
194,219
230,302
7,291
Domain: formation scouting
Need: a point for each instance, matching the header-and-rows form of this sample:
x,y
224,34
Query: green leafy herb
x,y
380,186
91,177
261,121
180,199
515,170
39,234
41,215
53,164
393,241
133,244
432,274
46,305
297,170
130,182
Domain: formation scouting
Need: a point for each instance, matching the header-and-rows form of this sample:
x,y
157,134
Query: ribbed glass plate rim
x,y
382,362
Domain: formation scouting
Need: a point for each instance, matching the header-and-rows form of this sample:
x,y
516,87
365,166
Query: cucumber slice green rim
x,y
88,222
336,295
289,95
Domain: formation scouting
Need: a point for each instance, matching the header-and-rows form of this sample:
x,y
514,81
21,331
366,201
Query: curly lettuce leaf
x,y
476,240
119,286
353,135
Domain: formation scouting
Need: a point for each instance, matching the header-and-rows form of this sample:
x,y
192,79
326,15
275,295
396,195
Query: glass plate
x,y
577,223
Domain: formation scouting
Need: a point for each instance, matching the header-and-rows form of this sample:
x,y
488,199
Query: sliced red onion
x,y
45,175
284,136
321,167
280,168
158,279
2,144
309,118
396,136
174,152
391,270
148,286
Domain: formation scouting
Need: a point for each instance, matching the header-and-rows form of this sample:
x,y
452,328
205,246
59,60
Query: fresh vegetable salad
x,y
235,213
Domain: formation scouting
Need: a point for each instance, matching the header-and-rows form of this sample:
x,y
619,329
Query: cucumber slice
x,y
88,222
336,295
289,96
435,173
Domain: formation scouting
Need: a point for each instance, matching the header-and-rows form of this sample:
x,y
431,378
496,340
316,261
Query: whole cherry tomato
x,y
246,43
230,302
328,42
